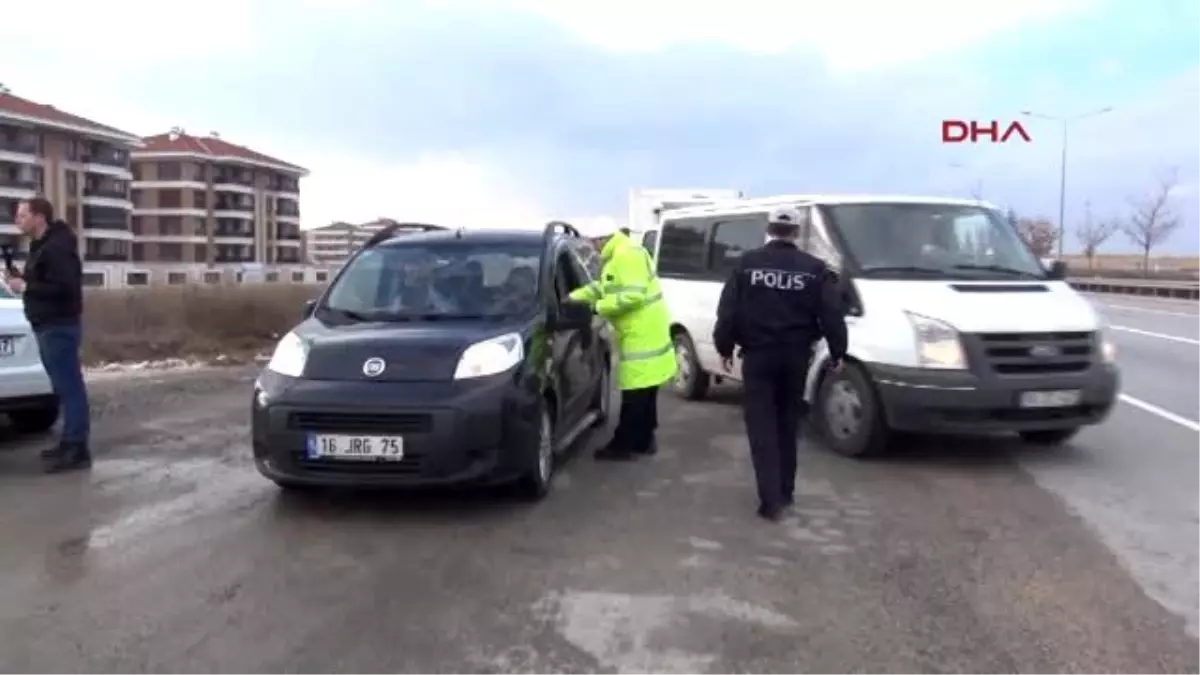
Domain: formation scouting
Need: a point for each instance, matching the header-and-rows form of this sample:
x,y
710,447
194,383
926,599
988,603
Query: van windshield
x,y
907,240
444,280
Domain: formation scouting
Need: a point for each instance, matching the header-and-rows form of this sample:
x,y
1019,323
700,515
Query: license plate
x,y
355,446
8,346
1051,399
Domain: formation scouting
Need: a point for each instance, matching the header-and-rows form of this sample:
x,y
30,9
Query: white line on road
x,y
1165,414
1161,336
1131,308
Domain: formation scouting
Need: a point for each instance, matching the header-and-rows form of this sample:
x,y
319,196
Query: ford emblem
x,y
1044,351
374,366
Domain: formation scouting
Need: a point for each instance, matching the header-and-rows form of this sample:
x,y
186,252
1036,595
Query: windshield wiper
x,y
1000,269
348,314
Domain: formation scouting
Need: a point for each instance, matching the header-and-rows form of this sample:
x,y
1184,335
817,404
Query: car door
x,y
569,346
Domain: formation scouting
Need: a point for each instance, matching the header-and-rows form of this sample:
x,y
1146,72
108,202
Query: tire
x,y
848,416
602,401
691,382
35,421
535,484
1049,436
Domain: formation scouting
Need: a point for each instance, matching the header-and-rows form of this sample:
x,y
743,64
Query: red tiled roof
x,y
205,145
16,105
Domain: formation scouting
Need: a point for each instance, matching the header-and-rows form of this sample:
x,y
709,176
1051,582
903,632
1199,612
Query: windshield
x,y
932,240
443,280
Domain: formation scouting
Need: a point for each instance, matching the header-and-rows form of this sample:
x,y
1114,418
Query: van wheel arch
x,y
875,435
691,380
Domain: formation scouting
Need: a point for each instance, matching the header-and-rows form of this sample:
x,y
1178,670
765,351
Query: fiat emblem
x,y
374,366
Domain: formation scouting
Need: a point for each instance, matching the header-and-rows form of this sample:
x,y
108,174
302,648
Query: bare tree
x,y
1039,233
1093,233
1153,221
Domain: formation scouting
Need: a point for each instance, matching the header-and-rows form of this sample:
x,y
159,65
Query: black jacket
x,y
780,296
53,278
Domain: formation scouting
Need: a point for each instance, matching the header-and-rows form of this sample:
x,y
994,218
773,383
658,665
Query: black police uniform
x,y
775,306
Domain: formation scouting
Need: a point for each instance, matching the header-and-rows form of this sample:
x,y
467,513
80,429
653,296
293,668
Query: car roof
x,y
735,206
490,236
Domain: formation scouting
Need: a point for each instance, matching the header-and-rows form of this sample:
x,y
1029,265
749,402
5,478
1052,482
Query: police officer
x,y
775,306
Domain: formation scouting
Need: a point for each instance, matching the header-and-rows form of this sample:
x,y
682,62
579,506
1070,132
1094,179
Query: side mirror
x,y
1057,271
309,307
572,316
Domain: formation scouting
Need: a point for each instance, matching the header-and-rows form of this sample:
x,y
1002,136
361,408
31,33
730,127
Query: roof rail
x,y
554,226
390,231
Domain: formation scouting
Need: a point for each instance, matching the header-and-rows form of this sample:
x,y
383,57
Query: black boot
x,y
771,513
69,457
651,449
614,453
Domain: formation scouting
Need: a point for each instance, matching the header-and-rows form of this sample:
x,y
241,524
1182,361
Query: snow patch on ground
x,y
135,368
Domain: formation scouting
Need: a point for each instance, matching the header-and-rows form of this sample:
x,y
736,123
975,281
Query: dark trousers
x,y
638,420
59,347
773,382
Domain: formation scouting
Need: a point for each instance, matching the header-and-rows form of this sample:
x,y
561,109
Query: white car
x,y
25,393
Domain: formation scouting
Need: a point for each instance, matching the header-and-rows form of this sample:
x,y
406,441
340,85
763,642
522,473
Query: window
x,y
442,278
272,277
931,239
212,277
322,277
93,279
72,182
649,240
589,258
170,252
170,199
817,243
684,242
170,225
297,277
177,278
170,171
733,237
137,278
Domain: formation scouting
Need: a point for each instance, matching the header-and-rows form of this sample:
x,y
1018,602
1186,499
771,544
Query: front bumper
x,y
923,400
476,431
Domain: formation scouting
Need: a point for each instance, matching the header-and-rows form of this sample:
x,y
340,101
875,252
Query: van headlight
x,y
490,357
938,345
290,356
1108,348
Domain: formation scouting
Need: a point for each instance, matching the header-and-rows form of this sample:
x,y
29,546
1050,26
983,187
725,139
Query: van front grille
x,y
1037,353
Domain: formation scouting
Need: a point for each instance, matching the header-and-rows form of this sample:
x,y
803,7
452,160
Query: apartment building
x,y
332,244
81,166
207,209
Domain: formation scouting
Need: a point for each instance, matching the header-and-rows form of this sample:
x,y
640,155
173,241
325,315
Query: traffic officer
x,y
628,295
775,306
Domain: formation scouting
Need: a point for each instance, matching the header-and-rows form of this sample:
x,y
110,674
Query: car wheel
x,y
691,382
535,484
848,416
293,488
35,421
1049,436
602,403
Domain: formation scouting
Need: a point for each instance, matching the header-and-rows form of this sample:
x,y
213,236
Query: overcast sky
x,y
484,113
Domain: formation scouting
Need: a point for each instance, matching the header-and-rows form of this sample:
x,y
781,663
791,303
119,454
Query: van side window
x,y
682,250
733,237
818,244
649,240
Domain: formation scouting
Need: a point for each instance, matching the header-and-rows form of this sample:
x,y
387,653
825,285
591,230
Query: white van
x,y
955,325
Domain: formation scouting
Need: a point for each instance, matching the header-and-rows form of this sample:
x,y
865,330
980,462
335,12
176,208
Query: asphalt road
x,y
953,555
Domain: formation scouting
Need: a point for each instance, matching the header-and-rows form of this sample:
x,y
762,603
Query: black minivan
x,y
437,357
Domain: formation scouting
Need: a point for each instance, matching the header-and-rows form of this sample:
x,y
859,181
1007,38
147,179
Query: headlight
x,y
1108,348
938,345
490,357
290,355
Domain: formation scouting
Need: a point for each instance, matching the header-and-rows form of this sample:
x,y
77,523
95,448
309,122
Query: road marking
x,y
1130,308
1165,414
1161,336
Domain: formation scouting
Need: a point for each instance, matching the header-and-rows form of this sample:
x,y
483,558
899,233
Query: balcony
x,y
234,205
289,233
234,179
21,143
106,190
106,156
8,180
105,218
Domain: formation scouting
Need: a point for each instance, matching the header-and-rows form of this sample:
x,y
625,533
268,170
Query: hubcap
x,y
843,410
605,394
545,449
683,366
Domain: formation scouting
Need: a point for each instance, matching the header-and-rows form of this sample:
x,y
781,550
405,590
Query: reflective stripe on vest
x,y
648,354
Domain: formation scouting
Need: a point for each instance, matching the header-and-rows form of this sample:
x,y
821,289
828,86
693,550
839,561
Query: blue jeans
x,y
59,347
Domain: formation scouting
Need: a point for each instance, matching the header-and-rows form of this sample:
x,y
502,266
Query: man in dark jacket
x,y
776,305
52,289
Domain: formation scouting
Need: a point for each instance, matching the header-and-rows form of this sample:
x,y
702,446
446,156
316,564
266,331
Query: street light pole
x,y
1062,177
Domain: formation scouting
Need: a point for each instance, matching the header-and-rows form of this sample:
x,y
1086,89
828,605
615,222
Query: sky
x,y
511,112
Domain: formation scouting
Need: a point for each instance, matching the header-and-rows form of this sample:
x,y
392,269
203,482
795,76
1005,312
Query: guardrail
x,y
1187,290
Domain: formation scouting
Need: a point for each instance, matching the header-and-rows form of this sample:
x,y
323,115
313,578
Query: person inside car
x,y
518,292
418,291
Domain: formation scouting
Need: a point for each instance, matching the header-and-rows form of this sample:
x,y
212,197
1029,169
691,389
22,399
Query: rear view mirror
x,y
309,307
573,316
1057,270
